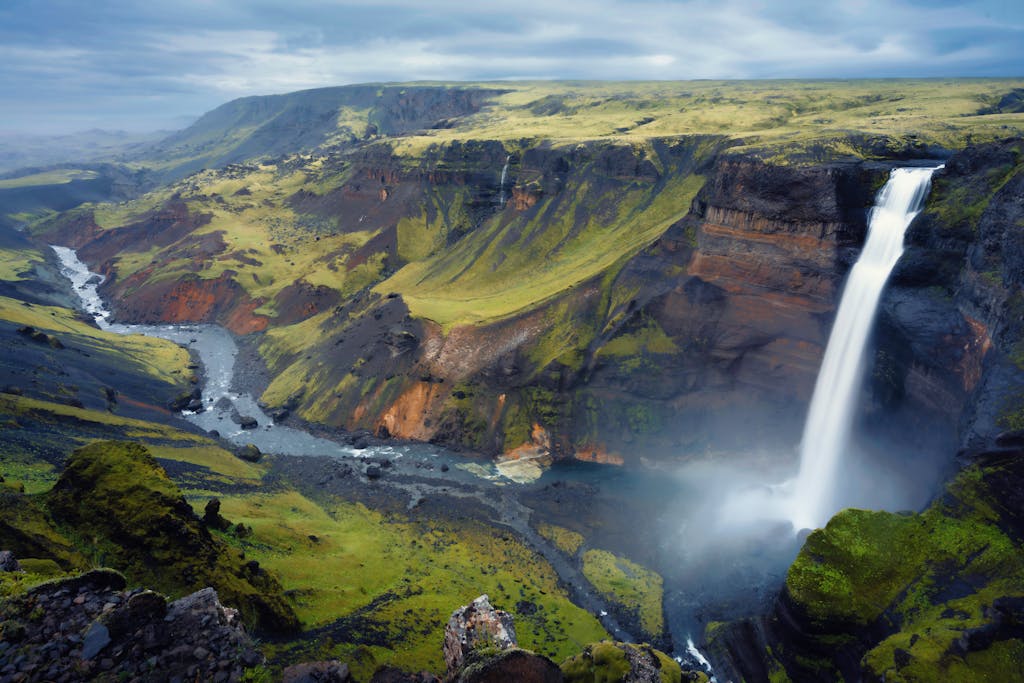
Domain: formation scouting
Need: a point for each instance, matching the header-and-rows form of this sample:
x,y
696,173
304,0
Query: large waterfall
x,y
504,178
830,418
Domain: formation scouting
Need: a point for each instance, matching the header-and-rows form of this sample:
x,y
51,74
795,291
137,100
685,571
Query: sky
x,y
68,65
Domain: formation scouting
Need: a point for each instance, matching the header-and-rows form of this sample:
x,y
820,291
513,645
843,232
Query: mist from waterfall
x,y
836,392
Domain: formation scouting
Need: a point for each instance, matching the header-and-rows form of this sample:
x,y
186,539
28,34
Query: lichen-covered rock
x,y
608,662
474,627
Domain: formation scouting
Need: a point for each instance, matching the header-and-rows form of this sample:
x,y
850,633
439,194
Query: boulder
x,y
474,627
517,665
251,453
248,422
8,562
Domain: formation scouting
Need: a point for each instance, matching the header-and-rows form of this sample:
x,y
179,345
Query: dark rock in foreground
x,y
90,628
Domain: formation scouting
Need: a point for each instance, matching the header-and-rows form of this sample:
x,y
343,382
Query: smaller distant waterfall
x,y
830,417
504,177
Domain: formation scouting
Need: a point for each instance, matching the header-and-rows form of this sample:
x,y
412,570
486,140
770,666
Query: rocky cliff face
x,y
716,316
733,306
949,343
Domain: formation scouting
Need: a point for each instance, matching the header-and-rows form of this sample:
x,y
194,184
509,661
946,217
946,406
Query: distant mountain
x,y
18,151
275,125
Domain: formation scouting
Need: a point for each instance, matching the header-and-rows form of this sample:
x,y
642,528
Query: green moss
x,y
636,588
117,502
609,662
566,540
648,338
954,561
384,585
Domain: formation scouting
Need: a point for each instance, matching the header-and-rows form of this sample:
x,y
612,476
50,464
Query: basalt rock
x,y
8,562
91,628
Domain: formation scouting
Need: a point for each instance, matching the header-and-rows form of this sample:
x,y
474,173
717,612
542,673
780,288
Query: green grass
x,y
415,573
158,358
561,245
16,408
567,540
606,662
15,262
768,116
638,589
56,177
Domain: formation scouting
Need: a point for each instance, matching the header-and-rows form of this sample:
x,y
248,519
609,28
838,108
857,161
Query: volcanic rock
x,y
473,626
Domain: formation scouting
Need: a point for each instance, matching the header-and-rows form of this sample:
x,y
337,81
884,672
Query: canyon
x,y
648,304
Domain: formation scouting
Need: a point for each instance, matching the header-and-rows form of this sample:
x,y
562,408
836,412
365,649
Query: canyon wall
x,y
712,311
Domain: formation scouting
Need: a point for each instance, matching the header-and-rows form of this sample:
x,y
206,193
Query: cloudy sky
x,y
69,65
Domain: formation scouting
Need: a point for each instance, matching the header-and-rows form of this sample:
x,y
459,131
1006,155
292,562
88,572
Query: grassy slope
x,y
159,359
385,585
55,177
954,560
764,114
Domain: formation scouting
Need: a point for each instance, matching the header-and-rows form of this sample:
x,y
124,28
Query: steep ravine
x,y
717,317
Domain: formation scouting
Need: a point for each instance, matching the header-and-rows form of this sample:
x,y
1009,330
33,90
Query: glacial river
x,y
217,353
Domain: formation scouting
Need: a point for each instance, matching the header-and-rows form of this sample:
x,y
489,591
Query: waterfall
x,y
830,417
504,177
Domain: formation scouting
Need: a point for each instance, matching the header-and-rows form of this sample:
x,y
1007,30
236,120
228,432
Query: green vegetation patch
x,y
15,263
611,662
119,503
567,540
160,359
636,588
566,240
60,176
928,580
379,588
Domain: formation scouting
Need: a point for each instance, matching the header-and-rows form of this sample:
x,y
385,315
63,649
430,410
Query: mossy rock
x,y
135,519
915,597
611,662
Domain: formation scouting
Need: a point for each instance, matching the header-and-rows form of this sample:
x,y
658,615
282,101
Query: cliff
x,y
947,604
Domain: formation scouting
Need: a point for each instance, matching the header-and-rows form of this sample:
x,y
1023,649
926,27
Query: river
x,y
217,353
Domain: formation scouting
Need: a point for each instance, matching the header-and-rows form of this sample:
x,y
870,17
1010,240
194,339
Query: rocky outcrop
x,y
611,661
480,646
476,626
91,628
854,609
115,494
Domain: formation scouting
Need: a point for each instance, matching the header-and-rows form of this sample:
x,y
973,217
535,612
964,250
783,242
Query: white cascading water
x,y
504,177
830,417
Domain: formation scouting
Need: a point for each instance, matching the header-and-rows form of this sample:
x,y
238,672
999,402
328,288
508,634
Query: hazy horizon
x,y
143,66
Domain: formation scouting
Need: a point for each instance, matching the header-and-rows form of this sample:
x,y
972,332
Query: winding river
x,y
217,352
